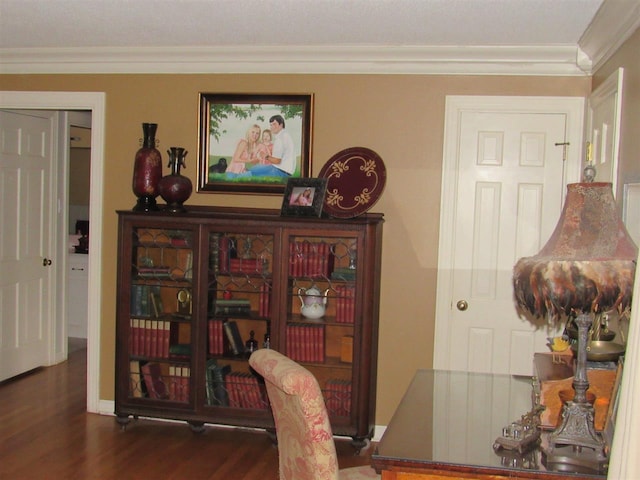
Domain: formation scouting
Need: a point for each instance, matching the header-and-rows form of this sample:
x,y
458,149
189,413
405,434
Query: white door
x,y
505,169
604,109
27,240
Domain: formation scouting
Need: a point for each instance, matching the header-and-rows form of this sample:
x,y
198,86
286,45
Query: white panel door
x,y
26,241
504,198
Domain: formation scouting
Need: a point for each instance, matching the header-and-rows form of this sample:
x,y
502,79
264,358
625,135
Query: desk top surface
x,y
450,421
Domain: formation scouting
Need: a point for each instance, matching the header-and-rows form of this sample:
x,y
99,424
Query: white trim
x,y
94,101
614,23
631,210
106,407
454,60
611,87
624,461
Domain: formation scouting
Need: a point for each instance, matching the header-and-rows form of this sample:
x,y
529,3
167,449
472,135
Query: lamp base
x,y
575,460
575,443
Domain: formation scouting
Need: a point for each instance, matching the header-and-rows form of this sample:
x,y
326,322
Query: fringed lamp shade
x,y
587,266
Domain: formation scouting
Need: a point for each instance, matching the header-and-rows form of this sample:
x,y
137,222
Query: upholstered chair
x,y
306,450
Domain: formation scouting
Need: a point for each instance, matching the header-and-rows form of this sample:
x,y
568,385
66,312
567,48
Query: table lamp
x,y
587,267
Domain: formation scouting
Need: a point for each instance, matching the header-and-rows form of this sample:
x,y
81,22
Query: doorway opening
x,y
93,102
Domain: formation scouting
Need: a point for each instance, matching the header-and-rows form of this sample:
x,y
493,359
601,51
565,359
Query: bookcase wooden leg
x,y
197,427
123,421
358,443
272,435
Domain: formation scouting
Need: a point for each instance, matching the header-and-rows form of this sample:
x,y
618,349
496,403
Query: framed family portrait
x,y
304,197
253,143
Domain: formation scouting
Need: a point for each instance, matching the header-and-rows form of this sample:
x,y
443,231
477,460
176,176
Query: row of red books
x,y
149,338
305,343
216,337
345,304
244,391
337,397
310,259
264,306
246,265
146,379
179,388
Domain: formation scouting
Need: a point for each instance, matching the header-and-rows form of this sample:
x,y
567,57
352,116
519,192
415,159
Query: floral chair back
x,y
306,450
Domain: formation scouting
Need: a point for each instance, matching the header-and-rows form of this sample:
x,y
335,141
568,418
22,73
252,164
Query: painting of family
x,y
254,143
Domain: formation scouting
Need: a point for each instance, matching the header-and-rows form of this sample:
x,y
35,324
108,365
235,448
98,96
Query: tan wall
x,y
628,58
399,116
79,174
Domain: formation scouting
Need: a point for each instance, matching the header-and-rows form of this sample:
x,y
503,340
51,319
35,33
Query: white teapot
x,y
312,302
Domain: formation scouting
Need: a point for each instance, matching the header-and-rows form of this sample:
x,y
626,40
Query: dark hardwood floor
x,y
45,433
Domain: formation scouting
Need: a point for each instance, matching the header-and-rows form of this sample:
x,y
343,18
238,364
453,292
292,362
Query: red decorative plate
x,y
355,180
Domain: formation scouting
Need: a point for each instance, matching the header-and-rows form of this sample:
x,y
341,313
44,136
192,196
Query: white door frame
x,y
456,105
609,90
95,102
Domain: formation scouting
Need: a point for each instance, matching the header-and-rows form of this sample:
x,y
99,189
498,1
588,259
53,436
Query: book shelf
x,y
198,291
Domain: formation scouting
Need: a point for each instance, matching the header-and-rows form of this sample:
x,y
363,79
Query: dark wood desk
x,y
446,425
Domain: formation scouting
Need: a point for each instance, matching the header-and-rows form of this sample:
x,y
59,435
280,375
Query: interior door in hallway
x,y
503,189
26,240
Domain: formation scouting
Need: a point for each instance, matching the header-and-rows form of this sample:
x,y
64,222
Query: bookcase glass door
x,y
239,289
161,329
322,314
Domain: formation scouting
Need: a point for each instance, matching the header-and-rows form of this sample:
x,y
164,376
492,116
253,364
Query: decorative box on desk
x,y
554,373
196,289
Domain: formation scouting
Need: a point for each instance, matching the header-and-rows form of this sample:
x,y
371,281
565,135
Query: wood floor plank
x,y
45,433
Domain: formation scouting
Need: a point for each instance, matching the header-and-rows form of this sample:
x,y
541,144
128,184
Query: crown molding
x,y
445,60
614,23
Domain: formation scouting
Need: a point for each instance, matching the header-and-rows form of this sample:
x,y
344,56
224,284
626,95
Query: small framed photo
x,y
304,197
253,143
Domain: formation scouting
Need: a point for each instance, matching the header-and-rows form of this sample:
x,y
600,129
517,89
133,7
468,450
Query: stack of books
x,y
246,265
216,337
236,344
216,383
245,392
310,259
345,274
179,388
345,304
232,307
305,343
264,306
337,396
145,300
149,338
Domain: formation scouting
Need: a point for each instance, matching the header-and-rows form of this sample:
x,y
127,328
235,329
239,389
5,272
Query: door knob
x,y
46,262
462,305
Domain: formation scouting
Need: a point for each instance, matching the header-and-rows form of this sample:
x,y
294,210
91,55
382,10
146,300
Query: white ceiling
x,y
139,23
51,30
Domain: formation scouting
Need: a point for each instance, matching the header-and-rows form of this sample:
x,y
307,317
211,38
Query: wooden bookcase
x,y
189,283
